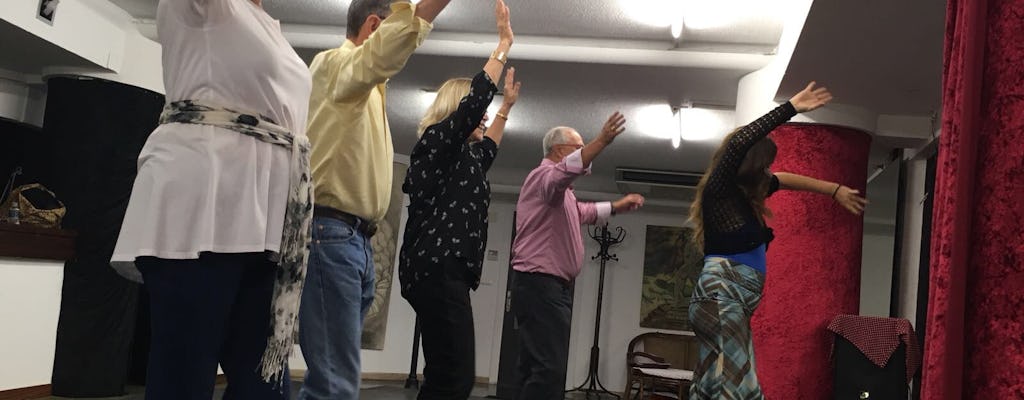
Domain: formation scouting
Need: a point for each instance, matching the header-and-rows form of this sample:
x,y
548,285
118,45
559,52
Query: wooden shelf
x,y
27,241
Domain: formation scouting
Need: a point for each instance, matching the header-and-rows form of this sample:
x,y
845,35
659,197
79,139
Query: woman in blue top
x,y
729,215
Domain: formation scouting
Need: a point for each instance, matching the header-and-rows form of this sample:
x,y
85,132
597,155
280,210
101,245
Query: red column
x,y
974,348
814,263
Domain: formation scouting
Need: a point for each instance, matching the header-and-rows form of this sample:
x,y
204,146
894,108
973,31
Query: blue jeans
x,y
338,291
215,309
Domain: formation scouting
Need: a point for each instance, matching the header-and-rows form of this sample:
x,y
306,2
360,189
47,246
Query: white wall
x,y
620,321
913,220
876,274
29,306
13,98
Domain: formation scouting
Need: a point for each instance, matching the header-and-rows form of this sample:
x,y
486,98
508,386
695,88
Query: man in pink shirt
x,y
548,253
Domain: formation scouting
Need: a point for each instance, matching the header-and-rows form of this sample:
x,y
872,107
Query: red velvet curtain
x,y
975,347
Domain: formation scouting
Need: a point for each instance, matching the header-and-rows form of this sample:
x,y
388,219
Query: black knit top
x,y
730,224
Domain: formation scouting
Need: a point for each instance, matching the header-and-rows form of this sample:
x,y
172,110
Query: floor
x,y
371,390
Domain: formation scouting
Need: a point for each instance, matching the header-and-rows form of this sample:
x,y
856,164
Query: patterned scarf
x,y
297,219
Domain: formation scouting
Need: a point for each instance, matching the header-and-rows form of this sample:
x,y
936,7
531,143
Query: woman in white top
x,y
215,187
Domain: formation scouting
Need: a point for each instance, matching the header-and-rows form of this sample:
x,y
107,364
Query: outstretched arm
x,y
381,56
849,198
723,175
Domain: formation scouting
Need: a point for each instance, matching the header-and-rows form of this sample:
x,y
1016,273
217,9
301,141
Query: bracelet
x,y
836,191
500,56
502,116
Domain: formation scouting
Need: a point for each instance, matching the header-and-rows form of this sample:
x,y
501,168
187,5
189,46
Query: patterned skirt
x,y
724,298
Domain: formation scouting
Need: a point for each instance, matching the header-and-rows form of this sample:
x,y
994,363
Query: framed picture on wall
x,y
672,263
47,10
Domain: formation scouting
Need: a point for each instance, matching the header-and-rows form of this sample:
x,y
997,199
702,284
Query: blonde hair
x,y
449,95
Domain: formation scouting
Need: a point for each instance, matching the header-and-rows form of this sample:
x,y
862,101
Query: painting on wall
x,y
385,249
672,263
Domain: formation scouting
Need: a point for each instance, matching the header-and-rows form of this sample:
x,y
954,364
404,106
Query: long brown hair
x,y
752,178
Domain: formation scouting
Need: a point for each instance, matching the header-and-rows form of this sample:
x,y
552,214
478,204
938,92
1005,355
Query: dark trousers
x,y
445,315
543,308
204,312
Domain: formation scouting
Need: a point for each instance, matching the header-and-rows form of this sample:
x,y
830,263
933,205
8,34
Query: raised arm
x,y
451,134
496,62
448,136
382,55
511,95
429,9
849,198
723,175
613,127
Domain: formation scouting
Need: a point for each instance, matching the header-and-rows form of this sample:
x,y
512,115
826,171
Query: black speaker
x,y
857,378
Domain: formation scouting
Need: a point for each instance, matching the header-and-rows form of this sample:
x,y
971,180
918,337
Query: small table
x,y
29,241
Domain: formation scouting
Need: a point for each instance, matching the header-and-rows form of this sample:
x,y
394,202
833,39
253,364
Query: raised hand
x,y
511,92
613,127
501,15
851,200
810,98
631,202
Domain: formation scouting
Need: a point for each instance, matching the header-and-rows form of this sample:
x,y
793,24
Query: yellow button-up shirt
x,y
352,151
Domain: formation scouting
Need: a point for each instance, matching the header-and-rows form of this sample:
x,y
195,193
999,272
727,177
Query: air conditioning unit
x,y
658,184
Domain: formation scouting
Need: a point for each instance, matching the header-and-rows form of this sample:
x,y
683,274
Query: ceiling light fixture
x,y
677,28
677,114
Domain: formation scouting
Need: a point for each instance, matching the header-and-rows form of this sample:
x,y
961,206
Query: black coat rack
x,y
592,385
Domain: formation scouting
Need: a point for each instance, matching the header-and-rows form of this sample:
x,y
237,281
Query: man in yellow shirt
x,y
351,164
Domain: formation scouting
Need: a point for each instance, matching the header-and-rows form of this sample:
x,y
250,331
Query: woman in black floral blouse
x,y
442,253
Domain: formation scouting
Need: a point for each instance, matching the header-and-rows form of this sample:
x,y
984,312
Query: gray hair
x,y
360,10
556,135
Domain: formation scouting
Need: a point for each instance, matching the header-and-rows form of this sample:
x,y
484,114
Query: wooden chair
x,y
660,363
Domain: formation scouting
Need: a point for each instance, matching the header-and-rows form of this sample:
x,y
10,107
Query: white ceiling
x,y
882,55
755,29
878,54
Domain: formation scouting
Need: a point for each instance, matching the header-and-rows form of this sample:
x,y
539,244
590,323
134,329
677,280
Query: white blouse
x,y
203,188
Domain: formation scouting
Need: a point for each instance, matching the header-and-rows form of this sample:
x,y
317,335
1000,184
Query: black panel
x,y
97,129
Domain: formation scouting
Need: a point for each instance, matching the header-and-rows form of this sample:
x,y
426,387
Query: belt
x,y
295,232
365,227
558,279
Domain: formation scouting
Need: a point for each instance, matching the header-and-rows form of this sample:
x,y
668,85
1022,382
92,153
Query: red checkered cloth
x,y
878,338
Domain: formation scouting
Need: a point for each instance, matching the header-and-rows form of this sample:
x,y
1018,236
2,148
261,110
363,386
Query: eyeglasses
x,y
574,146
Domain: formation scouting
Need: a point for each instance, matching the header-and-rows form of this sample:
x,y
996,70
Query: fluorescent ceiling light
x,y
690,124
699,124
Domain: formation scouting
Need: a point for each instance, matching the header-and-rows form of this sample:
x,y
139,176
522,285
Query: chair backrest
x,y
678,349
